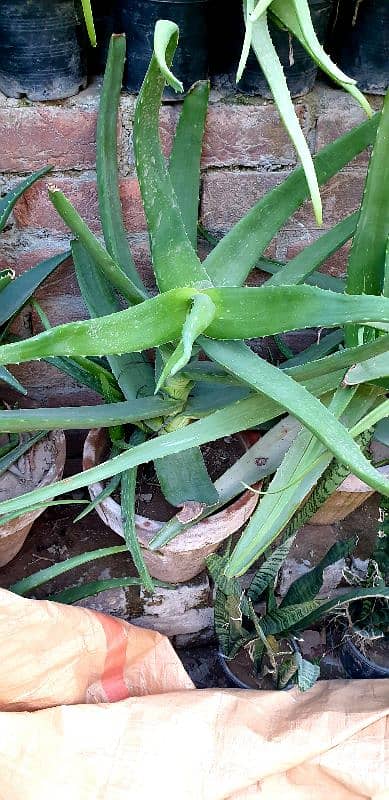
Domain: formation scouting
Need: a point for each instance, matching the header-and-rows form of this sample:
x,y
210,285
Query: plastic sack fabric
x,y
160,738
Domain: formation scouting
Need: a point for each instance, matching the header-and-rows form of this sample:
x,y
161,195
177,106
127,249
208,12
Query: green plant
x,y
253,620
14,294
88,16
370,617
184,402
295,17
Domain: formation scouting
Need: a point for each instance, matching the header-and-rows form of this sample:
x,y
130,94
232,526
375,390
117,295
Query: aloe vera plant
x,y
241,625
201,306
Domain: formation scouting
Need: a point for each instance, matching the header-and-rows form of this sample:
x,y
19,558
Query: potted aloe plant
x,y
26,462
264,640
181,402
43,47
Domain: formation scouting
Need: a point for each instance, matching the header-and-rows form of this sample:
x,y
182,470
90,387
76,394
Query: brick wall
x,y
246,152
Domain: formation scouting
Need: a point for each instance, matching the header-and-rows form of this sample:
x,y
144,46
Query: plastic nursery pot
x,y
360,42
184,557
41,465
137,18
239,672
351,494
42,49
359,665
105,20
298,66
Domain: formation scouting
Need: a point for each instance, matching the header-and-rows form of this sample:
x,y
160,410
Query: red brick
x,y
38,135
247,135
331,124
227,196
21,256
34,209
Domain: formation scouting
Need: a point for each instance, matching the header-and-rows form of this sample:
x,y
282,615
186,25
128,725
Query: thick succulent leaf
x,y
241,313
108,490
73,595
323,347
295,15
248,7
381,432
7,203
283,620
337,603
133,372
165,42
260,9
299,268
112,271
184,164
307,586
370,370
339,360
88,16
26,585
23,447
229,264
19,291
107,162
10,380
272,69
85,417
198,319
267,573
366,263
184,478
175,262
127,495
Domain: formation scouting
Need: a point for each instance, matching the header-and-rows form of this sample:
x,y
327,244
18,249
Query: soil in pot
x,y
241,672
41,465
43,48
360,42
300,70
137,18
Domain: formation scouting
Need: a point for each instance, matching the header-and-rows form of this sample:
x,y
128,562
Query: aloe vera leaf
x,y
11,381
229,264
366,263
385,290
184,163
186,480
307,586
296,17
271,67
198,319
26,585
370,370
7,203
339,360
264,377
240,313
315,351
175,262
108,490
379,412
299,268
248,8
6,276
128,486
88,16
133,372
260,9
100,256
107,162
13,455
76,593
85,417
16,294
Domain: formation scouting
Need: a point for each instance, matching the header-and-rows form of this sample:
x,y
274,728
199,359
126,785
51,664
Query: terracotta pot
x,y
184,557
351,494
41,465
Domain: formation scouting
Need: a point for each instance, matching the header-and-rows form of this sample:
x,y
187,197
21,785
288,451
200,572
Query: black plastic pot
x,y
298,66
235,682
360,42
137,18
42,49
356,664
105,19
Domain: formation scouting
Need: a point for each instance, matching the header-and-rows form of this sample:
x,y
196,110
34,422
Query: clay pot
x,y
41,465
351,494
184,557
